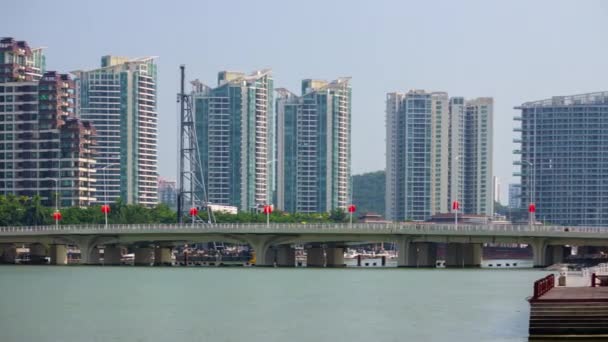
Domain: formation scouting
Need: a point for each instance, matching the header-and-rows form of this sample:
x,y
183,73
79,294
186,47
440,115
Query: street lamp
x,y
531,190
268,207
455,203
106,208
56,214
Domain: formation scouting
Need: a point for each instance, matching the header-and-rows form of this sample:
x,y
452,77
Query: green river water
x,y
73,303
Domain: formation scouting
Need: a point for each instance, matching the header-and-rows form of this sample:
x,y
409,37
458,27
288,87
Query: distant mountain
x,y
368,192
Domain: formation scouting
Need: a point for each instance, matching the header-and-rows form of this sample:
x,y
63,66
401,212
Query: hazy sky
x,y
514,51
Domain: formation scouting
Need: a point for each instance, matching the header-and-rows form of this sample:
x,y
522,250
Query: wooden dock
x,y
568,312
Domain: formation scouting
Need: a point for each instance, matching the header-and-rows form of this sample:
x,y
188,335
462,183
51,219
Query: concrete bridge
x,y
273,243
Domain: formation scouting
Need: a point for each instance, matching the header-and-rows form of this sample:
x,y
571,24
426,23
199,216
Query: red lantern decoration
x,y
532,208
352,208
455,205
193,211
267,209
105,209
57,216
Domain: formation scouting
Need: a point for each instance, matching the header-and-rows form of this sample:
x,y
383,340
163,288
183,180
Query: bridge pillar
x,y
112,255
403,255
555,254
334,257
264,255
315,257
143,256
286,256
8,254
422,254
59,255
463,255
539,249
162,256
89,254
38,253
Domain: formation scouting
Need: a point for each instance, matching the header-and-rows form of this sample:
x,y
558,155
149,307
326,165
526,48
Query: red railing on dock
x,y
543,285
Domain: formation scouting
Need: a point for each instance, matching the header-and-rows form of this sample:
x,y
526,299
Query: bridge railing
x,y
303,227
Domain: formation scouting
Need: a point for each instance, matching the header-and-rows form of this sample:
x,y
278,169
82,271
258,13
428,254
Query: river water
x,y
74,303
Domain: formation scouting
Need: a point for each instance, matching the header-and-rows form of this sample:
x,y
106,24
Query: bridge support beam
x,y
463,255
89,254
286,256
334,257
8,254
59,255
264,255
315,257
112,255
555,254
38,253
403,254
143,256
162,256
539,250
422,254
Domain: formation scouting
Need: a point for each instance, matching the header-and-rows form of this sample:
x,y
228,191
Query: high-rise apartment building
x,y
514,196
167,192
496,185
439,150
119,98
477,196
564,169
417,155
44,149
234,126
313,147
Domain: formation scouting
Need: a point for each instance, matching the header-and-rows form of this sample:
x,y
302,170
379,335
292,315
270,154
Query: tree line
x,y
29,211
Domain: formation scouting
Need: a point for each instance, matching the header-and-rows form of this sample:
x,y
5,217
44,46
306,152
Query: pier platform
x,y
560,313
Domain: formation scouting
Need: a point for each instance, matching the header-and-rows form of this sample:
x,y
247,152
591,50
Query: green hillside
x,y
368,192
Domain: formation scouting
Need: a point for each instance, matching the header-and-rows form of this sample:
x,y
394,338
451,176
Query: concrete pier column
x,y
403,247
286,256
89,254
59,255
162,256
315,257
112,255
334,257
422,254
143,256
8,254
555,254
453,255
264,255
38,253
473,254
463,255
539,248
